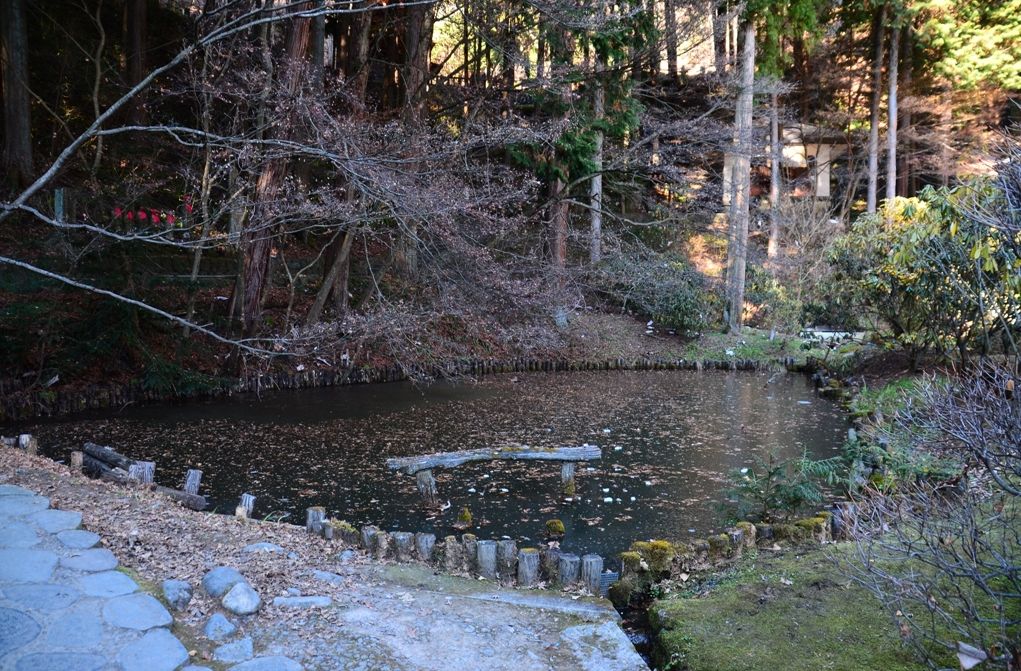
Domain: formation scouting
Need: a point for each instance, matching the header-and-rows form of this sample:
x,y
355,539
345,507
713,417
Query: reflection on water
x,y
669,438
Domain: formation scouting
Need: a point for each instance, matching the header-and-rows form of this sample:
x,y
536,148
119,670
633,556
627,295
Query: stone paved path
x,y
63,604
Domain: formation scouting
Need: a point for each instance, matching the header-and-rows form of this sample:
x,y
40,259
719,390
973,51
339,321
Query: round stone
x,y
218,581
263,547
78,539
18,535
177,593
97,559
136,611
107,584
158,650
15,506
16,630
219,627
242,599
275,663
65,661
52,521
232,653
42,597
26,565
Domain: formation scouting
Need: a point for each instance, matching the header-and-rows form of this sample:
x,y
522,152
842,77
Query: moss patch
x,y
751,619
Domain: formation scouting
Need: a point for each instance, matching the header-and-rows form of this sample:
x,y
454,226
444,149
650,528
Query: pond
x,y
668,438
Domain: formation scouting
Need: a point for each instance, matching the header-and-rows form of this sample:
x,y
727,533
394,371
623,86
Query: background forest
x,y
192,186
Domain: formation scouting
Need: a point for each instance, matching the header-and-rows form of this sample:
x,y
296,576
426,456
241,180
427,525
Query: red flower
x,y
117,213
170,218
188,207
155,215
130,215
142,215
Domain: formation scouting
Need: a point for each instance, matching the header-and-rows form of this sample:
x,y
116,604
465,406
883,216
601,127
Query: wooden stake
x,y
77,461
528,567
192,480
314,518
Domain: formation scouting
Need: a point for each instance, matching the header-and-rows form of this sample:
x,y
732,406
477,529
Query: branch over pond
x,y
412,465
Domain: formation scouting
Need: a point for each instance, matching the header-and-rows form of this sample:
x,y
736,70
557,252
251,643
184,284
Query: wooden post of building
x,y
486,558
77,461
591,569
245,508
528,567
426,486
404,545
192,480
568,567
424,544
314,518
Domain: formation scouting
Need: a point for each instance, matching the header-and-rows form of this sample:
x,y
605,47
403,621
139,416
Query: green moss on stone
x,y
657,554
631,562
464,517
555,528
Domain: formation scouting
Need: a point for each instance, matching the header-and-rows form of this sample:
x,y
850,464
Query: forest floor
x,y
798,610
379,616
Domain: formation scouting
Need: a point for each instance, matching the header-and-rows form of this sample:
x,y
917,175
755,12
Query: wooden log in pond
x,y
591,569
404,545
192,480
426,486
108,455
506,559
486,559
424,545
103,470
568,568
567,470
528,567
143,472
453,555
314,519
412,465
368,537
77,461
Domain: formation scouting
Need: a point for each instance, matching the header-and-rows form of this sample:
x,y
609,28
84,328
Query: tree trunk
x,y
670,20
719,36
417,46
905,158
891,133
359,64
775,157
596,186
317,55
135,45
737,248
17,145
257,239
878,30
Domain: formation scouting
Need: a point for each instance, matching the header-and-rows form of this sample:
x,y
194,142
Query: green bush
x,y
661,287
778,489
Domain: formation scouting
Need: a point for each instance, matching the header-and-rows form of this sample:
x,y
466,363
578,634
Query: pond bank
x,y
22,406
378,616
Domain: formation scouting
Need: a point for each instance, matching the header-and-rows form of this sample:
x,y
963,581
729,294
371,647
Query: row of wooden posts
x,y
24,405
498,560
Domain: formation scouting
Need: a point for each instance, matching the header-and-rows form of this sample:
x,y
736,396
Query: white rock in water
x,y
608,499
606,430
606,490
471,490
504,490
617,448
633,499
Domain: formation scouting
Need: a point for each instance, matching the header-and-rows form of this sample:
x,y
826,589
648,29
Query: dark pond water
x,y
669,438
